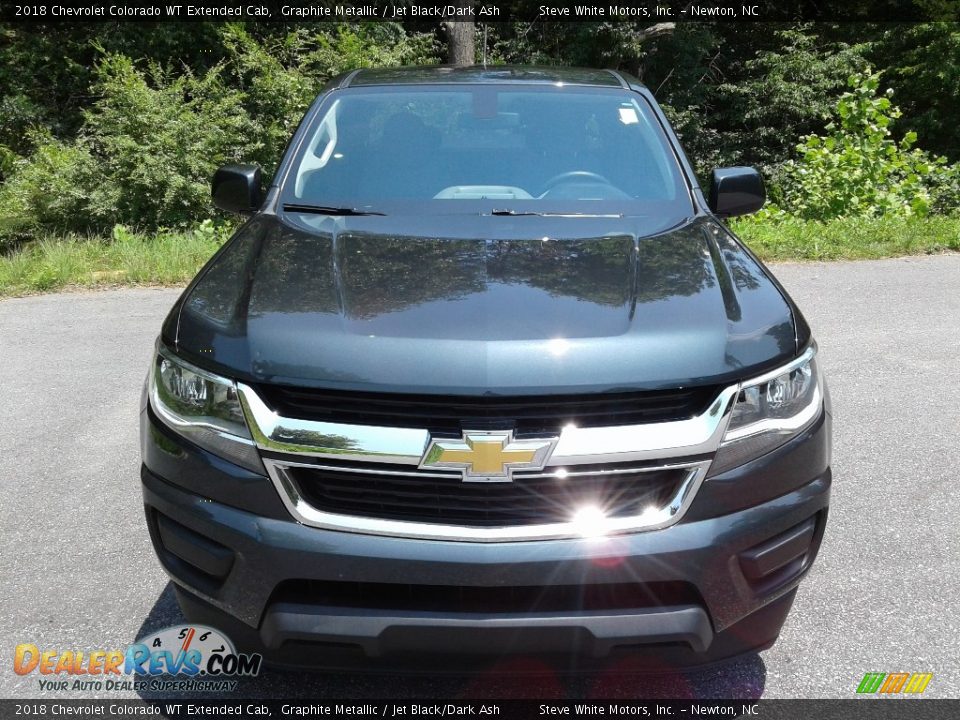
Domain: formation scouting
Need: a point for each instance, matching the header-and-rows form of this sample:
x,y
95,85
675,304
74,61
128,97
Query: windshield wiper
x,y
518,213
514,213
328,210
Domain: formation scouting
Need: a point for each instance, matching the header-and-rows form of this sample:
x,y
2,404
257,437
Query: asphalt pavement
x,y
77,570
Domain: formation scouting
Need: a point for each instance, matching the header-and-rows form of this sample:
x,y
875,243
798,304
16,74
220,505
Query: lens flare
x,y
590,521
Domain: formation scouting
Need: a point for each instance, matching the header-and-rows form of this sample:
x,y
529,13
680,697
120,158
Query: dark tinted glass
x,y
540,149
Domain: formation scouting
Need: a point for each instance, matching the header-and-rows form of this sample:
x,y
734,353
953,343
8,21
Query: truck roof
x,y
478,74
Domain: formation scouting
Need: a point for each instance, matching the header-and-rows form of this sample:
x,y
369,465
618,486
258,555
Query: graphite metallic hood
x,y
466,304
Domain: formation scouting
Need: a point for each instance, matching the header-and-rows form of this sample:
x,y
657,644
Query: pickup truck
x,y
484,374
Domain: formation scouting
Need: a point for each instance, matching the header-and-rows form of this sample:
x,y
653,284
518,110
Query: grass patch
x,y
57,262
848,239
173,258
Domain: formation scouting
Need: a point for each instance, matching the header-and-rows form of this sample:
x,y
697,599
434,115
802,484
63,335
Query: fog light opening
x,y
650,515
590,521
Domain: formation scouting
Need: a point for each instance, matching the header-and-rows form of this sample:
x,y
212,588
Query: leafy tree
x,y
158,138
103,123
781,94
281,74
154,133
858,168
46,69
923,62
49,191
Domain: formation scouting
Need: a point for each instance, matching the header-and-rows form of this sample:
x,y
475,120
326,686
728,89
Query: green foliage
x,y
281,75
158,138
781,94
790,238
123,123
148,148
46,69
8,161
276,90
681,68
49,190
858,169
923,68
18,114
152,138
128,258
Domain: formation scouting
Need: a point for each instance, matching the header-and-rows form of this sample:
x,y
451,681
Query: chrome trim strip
x,y
652,519
700,435
789,425
559,473
363,443
804,358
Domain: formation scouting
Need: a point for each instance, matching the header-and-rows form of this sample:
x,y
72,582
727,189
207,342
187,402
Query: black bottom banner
x,y
854,709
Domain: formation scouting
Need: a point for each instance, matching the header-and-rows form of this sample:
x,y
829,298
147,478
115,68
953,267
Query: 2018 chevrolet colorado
x,y
484,374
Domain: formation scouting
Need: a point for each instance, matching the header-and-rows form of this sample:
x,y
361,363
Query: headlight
x,y
203,408
769,410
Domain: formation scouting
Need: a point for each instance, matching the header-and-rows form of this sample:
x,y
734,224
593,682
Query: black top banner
x,y
490,11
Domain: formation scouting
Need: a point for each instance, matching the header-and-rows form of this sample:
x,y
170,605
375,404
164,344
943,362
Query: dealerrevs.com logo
x,y
191,657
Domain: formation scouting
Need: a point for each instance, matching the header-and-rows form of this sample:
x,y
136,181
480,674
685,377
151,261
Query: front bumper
x,y
719,583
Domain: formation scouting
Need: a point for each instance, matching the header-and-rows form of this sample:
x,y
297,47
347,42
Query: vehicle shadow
x,y
520,678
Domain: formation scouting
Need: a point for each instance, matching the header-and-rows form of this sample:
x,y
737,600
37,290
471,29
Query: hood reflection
x,y
494,304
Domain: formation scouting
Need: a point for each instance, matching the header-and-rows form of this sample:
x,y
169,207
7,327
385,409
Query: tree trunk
x,y
461,38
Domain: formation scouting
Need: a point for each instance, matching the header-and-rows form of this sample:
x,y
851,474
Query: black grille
x,y
448,500
450,414
489,599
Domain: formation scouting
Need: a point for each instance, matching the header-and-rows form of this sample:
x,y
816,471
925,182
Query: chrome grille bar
x,y
699,435
652,518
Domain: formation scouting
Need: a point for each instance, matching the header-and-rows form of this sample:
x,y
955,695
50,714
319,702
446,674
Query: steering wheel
x,y
575,175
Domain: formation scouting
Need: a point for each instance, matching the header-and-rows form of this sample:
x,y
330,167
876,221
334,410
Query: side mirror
x,y
237,188
736,191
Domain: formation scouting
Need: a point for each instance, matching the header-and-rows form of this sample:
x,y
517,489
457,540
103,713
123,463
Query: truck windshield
x,y
499,150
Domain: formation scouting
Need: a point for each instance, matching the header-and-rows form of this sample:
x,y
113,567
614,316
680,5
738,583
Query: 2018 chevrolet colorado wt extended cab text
x,y
483,374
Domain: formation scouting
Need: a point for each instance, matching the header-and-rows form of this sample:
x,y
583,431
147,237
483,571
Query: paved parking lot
x,y
77,570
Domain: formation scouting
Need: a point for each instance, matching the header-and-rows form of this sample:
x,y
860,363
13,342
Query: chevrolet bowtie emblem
x,y
487,456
